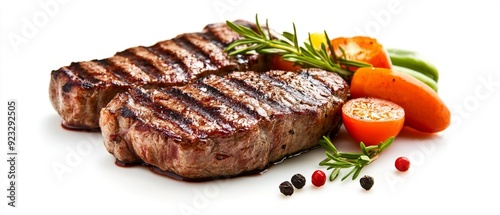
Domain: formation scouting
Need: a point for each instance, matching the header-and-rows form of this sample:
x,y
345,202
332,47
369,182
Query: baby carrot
x,y
424,109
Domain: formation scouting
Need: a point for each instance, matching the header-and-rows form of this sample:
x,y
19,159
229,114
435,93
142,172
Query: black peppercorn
x,y
298,181
286,188
366,182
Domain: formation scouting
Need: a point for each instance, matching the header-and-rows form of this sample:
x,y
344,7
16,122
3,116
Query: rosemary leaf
x,y
344,56
289,36
371,148
386,144
363,149
352,63
270,51
334,174
327,144
246,49
356,173
336,158
332,50
350,172
349,155
295,39
287,45
357,161
259,28
267,27
324,161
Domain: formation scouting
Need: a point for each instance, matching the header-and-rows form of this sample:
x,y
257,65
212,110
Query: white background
x,y
453,171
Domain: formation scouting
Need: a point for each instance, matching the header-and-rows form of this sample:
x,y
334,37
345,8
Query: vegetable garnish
x,y
372,120
413,60
414,64
362,48
424,110
287,45
357,161
418,75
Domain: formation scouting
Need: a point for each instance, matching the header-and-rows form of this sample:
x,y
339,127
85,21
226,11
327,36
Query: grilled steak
x,y
224,126
80,90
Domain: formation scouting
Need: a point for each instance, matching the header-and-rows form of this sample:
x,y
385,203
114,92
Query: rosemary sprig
x,y
357,161
287,45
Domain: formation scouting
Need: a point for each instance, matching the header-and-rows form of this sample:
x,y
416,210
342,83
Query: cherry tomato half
x,y
372,120
364,49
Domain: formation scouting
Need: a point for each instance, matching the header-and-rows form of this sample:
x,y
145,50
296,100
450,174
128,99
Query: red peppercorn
x,y
402,164
318,178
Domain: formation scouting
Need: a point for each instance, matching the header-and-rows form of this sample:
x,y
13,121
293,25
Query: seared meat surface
x,y
224,125
79,91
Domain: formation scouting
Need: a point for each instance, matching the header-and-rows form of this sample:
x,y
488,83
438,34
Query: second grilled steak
x,y
80,90
224,126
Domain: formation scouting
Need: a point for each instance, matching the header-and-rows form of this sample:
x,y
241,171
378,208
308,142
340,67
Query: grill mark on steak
x,y
187,45
259,95
126,112
241,96
194,66
68,85
272,90
85,79
334,85
170,59
315,83
168,128
227,100
302,85
211,38
225,34
100,73
117,71
274,80
212,114
222,33
236,119
161,111
169,75
215,54
80,72
145,65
